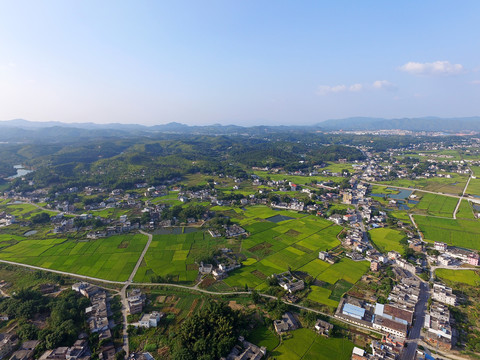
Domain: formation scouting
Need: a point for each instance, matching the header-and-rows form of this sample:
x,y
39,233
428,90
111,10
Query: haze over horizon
x,y
245,63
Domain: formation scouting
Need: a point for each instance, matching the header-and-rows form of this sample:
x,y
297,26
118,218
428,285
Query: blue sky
x,y
243,62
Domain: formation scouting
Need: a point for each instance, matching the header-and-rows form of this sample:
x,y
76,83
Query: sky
x,y
245,62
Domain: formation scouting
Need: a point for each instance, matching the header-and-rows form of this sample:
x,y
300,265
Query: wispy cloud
x,y
384,85
376,85
475,82
433,68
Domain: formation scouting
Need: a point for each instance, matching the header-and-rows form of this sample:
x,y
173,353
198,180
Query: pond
x,y
31,232
403,194
278,218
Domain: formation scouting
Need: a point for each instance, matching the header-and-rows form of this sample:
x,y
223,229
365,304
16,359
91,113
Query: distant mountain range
x,y
19,130
412,124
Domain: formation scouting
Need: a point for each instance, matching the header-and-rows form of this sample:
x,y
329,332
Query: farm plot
x,y
345,269
110,258
469,277
306,344
463,233
387,239
453,185
291,244
436,205
465,211
322,295
23,211
474,187
174,256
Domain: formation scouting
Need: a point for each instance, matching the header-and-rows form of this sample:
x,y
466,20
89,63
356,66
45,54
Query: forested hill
x,y
123,162
412,124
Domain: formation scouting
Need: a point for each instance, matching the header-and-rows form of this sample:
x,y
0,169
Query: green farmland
x,y
474,187
110,258
469,277
463,233
437,205
306,344
387,239
453,185
465,211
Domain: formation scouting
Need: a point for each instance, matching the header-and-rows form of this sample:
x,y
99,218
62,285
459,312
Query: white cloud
x,y
433,68
355,87
475,82
377,85
325,89
384,85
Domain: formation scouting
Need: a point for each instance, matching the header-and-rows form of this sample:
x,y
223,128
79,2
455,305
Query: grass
x,y
306,344
436,205
111,258
387,239
469,277
263,336
462,233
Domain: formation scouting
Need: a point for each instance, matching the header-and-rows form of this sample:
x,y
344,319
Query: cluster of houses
x,y
225,262
98,312
79,351
386,349
393,319
233,230
6,219
453,256
286,323
289,283
135,304
437,328
245,350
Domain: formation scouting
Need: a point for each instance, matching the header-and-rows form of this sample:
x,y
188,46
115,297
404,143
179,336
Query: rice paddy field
x,y
337,279
387,239
437,205
463,233
175,255
306,344
469,277
474,187
453,185
22,211
111,258
465,211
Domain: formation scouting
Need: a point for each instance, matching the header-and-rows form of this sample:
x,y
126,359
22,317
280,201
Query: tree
x,y
255,296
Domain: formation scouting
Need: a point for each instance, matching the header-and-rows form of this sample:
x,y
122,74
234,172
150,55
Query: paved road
x,y
416,227
123,292
419,320
460,200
